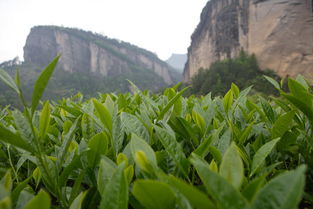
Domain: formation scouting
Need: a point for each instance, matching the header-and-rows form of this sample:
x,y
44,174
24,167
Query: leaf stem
x,y
11,164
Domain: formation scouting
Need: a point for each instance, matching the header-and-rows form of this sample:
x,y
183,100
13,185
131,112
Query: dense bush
x,y
166,151
244,71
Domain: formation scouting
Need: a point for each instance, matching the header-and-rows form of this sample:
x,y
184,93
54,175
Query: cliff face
x,y
85,51
279,32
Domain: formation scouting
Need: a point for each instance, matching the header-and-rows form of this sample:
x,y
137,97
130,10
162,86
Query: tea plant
x,y
157,151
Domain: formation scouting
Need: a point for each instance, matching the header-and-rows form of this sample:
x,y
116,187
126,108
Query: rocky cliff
x,y
278,32
89,52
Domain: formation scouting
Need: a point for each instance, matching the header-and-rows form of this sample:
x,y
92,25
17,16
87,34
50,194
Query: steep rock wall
x,y
84,51
279,32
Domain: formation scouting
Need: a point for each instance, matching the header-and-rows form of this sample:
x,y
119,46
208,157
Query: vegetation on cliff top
x,y
66,84
243,70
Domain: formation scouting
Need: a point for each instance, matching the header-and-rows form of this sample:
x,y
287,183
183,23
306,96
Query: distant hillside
x,y
177,61
84,52
90,63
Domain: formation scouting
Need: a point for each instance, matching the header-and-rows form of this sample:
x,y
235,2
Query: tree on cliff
x,y
244,71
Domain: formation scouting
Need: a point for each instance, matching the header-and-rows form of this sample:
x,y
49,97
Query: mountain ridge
x,y
83,50
90,64
177,61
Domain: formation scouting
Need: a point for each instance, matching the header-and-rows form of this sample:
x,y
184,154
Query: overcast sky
x,y
161,26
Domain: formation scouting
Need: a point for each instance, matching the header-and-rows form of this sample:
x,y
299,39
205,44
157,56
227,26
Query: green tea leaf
x,y
24,128
7,79
104,115
92,198
268,110
129,173
301,80
283,192
138,144
301,105
115,195
185,129
216,154
221,191
14,139
18,78
204,148
40,201
253,188
197,199
76,188
261,155
87,126
173,148
121,157
18,189
105,173
299,91
48,171
37,176
199,121
74,164
5,203
98,146
7,182
154,194
224,141
252,106
214,166
273,82
181,201
44,120
171,103
68,138
232,167
77,203
118,134
282,124
235,90
133,125
245,134
109,104
72,110
228,101
42,82
143,162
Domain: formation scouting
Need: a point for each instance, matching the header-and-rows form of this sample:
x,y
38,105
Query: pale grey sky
x,y
161,26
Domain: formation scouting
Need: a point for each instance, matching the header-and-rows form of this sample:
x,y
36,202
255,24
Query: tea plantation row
x,y
158,151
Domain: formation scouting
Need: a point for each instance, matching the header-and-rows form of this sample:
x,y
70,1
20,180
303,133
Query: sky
x,y
161,26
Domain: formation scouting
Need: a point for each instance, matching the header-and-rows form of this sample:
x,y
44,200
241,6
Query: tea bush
x,y
143,150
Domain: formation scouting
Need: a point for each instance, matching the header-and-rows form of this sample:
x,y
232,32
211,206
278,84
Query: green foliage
x,y
42,82
66,84
244,71
144,150
154,194
232,167
278,194
42,200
